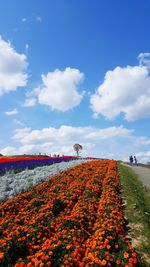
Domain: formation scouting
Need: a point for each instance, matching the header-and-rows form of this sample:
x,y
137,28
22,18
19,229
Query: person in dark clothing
x,y
131,160
135,161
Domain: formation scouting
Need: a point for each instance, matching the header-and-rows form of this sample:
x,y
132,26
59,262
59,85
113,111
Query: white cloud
x,y
21,133
60,89
124,90
64,133
60,140
109,133
112,142
141,141
143,156
31,98
11,112
9,150
30,102
12,68
68,133
26,149
33,93
144,59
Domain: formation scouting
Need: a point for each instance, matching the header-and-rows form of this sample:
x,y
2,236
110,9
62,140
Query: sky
x,y
75,71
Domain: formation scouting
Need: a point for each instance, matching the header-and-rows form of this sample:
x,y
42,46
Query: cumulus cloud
x,y
21,133
108,133
11,112
59,90
98,142
124,90
60,140
12,68
68,133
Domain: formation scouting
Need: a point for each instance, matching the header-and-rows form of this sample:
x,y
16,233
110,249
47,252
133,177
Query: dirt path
x,y
143,174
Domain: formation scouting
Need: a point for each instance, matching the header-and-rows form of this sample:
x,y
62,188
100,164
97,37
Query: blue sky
x,y
75,72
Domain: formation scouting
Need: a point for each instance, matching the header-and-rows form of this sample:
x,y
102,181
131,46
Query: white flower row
x,y
12,184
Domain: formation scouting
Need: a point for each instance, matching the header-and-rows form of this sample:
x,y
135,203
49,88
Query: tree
x,y
77,148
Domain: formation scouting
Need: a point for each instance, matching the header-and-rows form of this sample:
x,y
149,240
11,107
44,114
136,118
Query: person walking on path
x,y
135,161
131,160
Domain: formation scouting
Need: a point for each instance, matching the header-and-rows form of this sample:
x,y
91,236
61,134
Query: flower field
x,y
21,163
72,219
11,183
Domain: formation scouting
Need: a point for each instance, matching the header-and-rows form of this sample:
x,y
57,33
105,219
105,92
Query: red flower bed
x,y
72,219
25,158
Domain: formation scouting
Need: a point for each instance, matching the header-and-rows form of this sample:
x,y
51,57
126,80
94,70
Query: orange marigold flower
x,y
108,258
108,247
90,255
126,255
103,262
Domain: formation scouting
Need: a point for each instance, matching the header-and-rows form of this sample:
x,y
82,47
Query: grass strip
x,y
137,211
